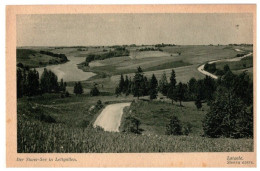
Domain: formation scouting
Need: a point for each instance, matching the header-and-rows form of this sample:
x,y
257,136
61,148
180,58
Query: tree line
x,y
29,83
119,51
149,49
194,90
63,57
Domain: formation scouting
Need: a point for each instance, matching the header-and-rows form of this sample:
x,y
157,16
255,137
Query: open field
x,y
244,63
33,58
156,114
148,54
185,64
184,59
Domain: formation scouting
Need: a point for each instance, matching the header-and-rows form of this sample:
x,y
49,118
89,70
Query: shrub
x,y
78,89
84,123
198,103
94,91
131,125
99,105
174,127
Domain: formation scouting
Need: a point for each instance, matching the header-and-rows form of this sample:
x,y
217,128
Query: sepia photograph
x,y
144,82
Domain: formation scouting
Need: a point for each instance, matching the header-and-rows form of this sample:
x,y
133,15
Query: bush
x,y
84,123
210,67
78,89
174,127
94,91
99,105
131,125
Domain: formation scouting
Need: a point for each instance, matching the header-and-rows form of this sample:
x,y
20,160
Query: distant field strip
x,y
147,54
183,74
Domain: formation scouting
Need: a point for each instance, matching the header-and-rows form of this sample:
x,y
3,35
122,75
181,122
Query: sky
x,y
120,29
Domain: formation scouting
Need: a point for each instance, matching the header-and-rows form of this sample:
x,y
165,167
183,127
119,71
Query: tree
x,y
131,124
99,105
174,127
126,85
33,82
173,80
78,88
49,81
121,83
62,86
210,67
138,83
171,93
228,80
153,91
145,86
19,83
198,103
228,116
200,93
180,92
192,88
243,88
163,84
117,91
209,88
226,68
94,91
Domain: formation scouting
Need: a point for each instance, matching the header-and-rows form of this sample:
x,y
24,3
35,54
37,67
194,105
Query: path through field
x,y
201,68
110,117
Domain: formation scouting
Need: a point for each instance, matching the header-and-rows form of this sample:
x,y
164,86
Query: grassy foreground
x,y
38,137
72,132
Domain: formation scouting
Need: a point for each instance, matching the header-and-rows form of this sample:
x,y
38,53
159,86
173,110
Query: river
x,y
68,71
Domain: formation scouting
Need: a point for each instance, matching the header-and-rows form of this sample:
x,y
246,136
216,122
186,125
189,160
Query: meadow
x,y
155,115
40,137
58,138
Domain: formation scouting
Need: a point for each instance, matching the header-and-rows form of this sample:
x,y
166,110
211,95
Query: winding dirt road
x,y
201,68
110,117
